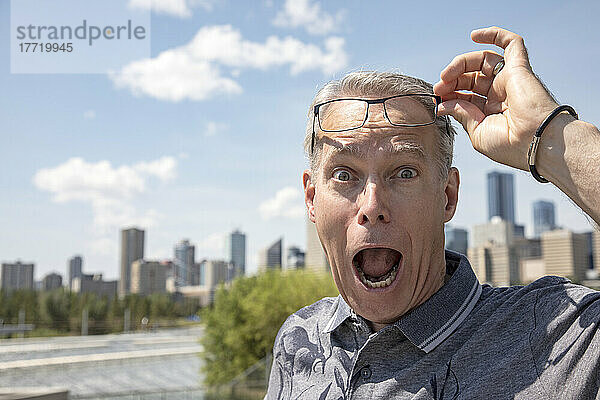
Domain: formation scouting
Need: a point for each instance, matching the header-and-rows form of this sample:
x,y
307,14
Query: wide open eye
x,y
342,175
407,173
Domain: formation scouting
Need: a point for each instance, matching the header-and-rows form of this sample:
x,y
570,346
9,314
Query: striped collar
x,y
432,322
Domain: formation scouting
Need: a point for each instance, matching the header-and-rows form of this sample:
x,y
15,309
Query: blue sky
x,y
207,135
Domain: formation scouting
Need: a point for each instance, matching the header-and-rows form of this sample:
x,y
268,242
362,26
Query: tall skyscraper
x,y
566,253
270,256
456,239
294,258
236,251
75,268
314,258
501,196
16,276
183,262
543,217
148,277
132,248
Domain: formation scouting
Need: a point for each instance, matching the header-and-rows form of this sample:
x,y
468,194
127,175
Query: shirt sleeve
x,y
565,342
279,379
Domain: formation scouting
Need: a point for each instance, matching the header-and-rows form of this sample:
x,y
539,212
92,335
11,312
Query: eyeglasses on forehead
x,y
330,114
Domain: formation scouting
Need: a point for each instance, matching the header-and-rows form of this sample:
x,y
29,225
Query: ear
x,y
451,191
309,193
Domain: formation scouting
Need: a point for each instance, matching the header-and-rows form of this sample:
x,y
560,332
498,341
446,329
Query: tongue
x,y
377,262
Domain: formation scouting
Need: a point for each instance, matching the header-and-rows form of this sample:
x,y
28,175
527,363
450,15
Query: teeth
x,y
378,284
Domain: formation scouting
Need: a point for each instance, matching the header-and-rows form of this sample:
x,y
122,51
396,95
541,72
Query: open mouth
x,y
377,267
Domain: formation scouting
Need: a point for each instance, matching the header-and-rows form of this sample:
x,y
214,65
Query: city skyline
x,y
499,189
221,147
455,237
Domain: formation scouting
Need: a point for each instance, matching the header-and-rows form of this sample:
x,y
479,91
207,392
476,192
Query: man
x,y
412,321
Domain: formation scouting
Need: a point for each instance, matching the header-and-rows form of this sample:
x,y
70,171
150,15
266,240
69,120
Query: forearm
x,y
569,157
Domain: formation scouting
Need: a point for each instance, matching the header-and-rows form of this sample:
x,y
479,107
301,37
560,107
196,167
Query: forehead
x,y
381,144
341,111
377,137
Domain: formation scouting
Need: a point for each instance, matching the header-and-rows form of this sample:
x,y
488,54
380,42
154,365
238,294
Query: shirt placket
x,y
361,372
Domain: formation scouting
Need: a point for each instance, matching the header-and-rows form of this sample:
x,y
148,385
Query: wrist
x,y
558,140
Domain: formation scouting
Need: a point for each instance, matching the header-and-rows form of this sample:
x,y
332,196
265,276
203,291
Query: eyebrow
x,y
402,148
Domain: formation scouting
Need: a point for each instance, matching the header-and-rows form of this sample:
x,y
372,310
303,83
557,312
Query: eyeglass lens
x,y
352,113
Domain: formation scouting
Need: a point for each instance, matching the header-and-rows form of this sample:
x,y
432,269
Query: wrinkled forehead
x,y
380,144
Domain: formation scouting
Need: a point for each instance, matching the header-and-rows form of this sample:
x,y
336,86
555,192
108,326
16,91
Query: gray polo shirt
x,y
468,341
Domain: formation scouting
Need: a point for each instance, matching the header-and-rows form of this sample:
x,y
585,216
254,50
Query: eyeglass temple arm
x,y
312,140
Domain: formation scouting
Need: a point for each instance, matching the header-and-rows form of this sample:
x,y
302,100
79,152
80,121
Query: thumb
x,y
465,112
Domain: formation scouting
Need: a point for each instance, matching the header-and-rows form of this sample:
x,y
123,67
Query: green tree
x,y
241,326
161,306
98,315
15,300
57,309
116,312
60,311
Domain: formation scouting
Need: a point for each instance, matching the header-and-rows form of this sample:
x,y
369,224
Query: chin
x,y
385,304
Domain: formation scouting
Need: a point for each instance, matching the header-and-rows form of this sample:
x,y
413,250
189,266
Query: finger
x,y
472,81
465,112
483,61
494,107
513,44
494,35
486,104
479,101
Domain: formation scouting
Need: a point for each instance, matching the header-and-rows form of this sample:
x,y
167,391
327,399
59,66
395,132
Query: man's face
x,y
379,206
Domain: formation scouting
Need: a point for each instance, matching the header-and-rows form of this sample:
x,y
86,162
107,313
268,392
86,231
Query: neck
x,y
376,326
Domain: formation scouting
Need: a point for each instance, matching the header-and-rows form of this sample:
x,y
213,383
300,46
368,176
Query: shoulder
x,y
547,285
306,323
560,299
549,298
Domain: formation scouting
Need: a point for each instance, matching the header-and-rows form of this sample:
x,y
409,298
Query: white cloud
x,y
89,114
213,128
209,64
174,76
287,203
308,15
176,8
110,191
164,168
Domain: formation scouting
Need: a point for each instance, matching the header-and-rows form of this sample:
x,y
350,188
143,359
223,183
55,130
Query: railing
x,y
180,394
249,385
9,329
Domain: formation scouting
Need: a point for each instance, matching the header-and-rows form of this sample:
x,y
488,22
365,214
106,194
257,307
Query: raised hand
x,y
502,112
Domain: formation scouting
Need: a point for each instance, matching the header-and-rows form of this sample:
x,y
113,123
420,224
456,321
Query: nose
x,y
373,207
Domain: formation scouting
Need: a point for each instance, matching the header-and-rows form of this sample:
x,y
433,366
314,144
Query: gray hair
x,y
378,84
